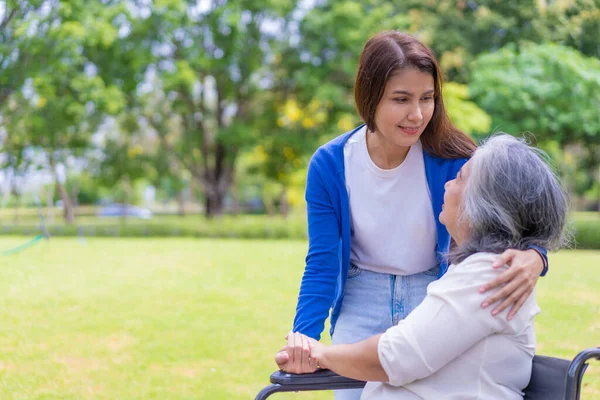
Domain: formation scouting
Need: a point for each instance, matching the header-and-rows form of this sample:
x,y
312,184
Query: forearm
x,y
358,361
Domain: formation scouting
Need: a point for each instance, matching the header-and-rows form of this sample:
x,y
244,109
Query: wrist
x,y
323,358
542,265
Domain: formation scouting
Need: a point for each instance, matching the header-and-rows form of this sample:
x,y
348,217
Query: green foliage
x,y
208,76
549,90
89,192
63,100
247,227
192,88
575,24
465,114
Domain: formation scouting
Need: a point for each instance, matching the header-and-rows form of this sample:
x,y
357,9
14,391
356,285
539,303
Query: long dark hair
x,y
388,52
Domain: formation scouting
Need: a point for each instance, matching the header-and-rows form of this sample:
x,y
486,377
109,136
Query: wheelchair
x,y
551,379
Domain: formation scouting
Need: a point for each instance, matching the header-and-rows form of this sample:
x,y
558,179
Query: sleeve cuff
x,y
383,350
543,253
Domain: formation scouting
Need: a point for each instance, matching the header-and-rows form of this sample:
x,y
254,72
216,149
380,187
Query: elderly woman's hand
x,y
295,357
519,280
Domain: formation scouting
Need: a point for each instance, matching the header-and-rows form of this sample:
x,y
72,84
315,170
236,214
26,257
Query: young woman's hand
x,y
519,280
295,357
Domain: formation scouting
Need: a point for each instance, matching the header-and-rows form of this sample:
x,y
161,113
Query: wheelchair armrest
x,y
577,369
322,379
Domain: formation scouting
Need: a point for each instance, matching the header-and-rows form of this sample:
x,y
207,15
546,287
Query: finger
x,y
503,293
305,355
509,301
517,306
288,335
298,352
290,350
504,258
281,359
506,276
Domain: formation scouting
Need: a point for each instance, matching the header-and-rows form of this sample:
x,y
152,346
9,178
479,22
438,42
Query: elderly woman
x,y
505,197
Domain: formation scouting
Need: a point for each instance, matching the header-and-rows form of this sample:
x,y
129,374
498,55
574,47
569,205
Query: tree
x,y
21,50
65,100
550,90
312,97
124,163
212,62
465,114
164,166
575,24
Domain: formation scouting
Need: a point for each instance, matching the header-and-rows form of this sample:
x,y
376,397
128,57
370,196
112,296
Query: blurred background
x,y
139,120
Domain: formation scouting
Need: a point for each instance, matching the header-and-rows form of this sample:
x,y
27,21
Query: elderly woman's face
x,y
453,198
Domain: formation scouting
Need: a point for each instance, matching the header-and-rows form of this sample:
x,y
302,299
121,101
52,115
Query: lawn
x,y
197,319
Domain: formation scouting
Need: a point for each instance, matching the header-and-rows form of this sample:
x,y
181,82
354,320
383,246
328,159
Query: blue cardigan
x,y
328,209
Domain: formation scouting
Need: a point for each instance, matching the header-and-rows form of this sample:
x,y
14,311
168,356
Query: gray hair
x,y
512,199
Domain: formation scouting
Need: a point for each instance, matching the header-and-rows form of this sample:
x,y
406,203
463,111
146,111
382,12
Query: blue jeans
x,y
374,302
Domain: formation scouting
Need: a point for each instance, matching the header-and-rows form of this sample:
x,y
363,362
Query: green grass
x,y
197,319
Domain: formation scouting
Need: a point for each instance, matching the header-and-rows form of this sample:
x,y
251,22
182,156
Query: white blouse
x,y
451,348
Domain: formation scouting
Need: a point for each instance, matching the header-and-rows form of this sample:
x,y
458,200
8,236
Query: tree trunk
x,y
213,200
180,203
64,195
217,180
68,213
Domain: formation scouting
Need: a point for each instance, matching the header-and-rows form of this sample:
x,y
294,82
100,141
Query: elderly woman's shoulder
x,y
480,258
478,264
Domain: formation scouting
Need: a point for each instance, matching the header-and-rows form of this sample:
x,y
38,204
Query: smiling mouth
x,y
409,129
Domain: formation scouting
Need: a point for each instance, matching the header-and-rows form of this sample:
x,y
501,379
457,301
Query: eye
x,y
428,98
401,99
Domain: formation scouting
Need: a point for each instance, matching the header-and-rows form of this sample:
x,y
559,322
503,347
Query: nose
x,y
447,184
415,114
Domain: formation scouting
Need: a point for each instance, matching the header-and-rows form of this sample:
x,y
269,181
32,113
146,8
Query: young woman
x,y
373,199
506,196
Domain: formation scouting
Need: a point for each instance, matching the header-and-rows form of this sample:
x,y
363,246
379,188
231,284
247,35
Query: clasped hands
x,y
301,354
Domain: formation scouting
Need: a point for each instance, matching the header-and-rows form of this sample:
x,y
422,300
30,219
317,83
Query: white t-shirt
x,y
392,222
450,348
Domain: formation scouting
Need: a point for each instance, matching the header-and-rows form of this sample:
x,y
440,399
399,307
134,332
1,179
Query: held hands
x,y
519,280
300,355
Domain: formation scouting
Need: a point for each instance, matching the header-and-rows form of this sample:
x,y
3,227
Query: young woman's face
x,y
406,106
453,198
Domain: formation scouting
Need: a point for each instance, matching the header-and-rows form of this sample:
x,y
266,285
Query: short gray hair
x,y
512,199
